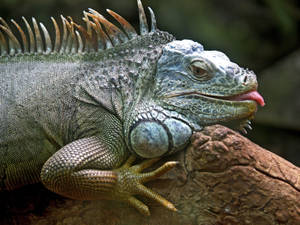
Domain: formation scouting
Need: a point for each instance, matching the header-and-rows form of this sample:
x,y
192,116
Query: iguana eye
x,y
197,70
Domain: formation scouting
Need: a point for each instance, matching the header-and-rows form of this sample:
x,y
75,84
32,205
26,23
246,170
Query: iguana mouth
x,y
250,95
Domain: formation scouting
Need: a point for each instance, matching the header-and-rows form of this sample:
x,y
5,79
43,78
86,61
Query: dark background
x,y
262,35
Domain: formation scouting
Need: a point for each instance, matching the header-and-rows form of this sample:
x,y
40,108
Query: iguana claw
x,y
130,183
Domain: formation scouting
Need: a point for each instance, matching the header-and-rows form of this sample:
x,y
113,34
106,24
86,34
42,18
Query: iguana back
x,y
36,109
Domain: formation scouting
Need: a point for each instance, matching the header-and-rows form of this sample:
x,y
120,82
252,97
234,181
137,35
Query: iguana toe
x,y
130,183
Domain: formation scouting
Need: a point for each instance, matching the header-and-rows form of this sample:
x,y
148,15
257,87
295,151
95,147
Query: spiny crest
x,y
99,34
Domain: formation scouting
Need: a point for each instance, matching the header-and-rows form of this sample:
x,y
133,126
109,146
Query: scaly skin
x,y
71,117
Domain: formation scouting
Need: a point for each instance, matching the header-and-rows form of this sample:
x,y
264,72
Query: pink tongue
x,y
252,95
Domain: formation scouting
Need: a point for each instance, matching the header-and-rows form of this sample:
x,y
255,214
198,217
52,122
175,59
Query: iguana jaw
x,y
207,109
253,96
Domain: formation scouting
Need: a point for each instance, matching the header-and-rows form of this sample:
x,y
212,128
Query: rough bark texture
x,y
223,178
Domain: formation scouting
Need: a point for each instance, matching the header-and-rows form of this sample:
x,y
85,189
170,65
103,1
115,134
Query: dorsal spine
x,y
99,34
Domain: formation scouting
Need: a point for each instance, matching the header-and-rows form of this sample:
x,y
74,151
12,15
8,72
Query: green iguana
x,y
74,114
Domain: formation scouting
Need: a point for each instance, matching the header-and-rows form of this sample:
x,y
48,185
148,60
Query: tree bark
x,y
223,178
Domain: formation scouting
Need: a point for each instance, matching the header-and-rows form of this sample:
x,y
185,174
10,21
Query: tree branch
x,y
223,178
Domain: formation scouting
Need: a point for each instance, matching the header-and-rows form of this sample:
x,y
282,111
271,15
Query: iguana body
x,y
71,115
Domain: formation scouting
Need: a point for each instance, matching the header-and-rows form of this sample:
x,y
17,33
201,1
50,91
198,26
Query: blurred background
x,y
262,35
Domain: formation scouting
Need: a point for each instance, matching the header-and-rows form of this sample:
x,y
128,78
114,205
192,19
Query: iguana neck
x,y
121,77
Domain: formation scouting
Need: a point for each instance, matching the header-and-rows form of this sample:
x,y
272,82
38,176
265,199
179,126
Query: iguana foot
x,y
130,183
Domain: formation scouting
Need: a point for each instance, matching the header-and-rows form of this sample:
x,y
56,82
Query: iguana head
x,y
180,89
204,86
192,88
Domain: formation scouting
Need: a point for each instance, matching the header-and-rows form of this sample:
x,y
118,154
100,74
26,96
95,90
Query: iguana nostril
x,y
245,79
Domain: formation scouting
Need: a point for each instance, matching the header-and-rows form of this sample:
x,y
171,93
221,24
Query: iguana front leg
x,y
84,169
131,183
